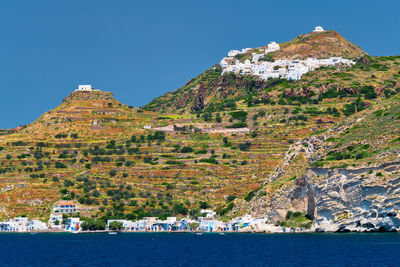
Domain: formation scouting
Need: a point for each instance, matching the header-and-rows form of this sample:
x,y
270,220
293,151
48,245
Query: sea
x,y
187,249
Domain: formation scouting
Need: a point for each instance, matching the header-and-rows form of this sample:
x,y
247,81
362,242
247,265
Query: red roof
x,y
64,203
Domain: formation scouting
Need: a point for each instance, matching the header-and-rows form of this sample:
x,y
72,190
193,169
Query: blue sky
x,y
142,49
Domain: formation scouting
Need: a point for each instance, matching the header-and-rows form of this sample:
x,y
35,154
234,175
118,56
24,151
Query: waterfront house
x,y
18,224
72,224
36,225
55,220
22,224
209,224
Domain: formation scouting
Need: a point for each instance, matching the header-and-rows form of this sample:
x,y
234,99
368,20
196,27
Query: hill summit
x,y
318,44
86,112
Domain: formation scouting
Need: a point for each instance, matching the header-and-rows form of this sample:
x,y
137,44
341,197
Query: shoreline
x,y
195,232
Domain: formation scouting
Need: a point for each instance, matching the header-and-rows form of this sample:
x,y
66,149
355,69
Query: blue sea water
x,y
171,249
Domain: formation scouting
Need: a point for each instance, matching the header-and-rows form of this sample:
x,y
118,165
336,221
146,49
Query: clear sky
x,y
142,49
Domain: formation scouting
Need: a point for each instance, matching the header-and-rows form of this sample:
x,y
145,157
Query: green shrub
x,y
203,151
186,149
60,165
369,92
227,209
244,146
61,135
116,226
180,209
112,173
356,106
174,162
93,224
230,198
250,195
237,125
209,160
239,115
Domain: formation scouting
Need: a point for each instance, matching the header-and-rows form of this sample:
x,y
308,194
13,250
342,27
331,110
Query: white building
x,y
209,224
73,224
22,224
319,29
65,207
36,225
223,63
233,53
55,220
85,87
271,47
209,213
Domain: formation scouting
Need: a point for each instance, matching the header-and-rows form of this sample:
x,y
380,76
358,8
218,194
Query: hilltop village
x,y
263,66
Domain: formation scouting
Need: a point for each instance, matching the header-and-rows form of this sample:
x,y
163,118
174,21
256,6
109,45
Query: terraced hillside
x,y
97,152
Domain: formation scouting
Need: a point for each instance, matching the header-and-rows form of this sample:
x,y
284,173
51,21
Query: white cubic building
x,y
85,87
271,47
319,29
233,53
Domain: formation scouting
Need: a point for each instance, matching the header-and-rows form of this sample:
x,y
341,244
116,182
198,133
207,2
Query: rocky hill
x,y
318,45
84,114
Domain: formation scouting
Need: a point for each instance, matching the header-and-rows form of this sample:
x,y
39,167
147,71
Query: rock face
x,y
360,199
342,199
356,199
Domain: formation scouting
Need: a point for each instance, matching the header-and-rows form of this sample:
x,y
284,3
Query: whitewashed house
x,y
256,57
84,87
65,207
55,220
208,213
271,47
223,63
36,225
233,53
73,224
22,224
318,29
